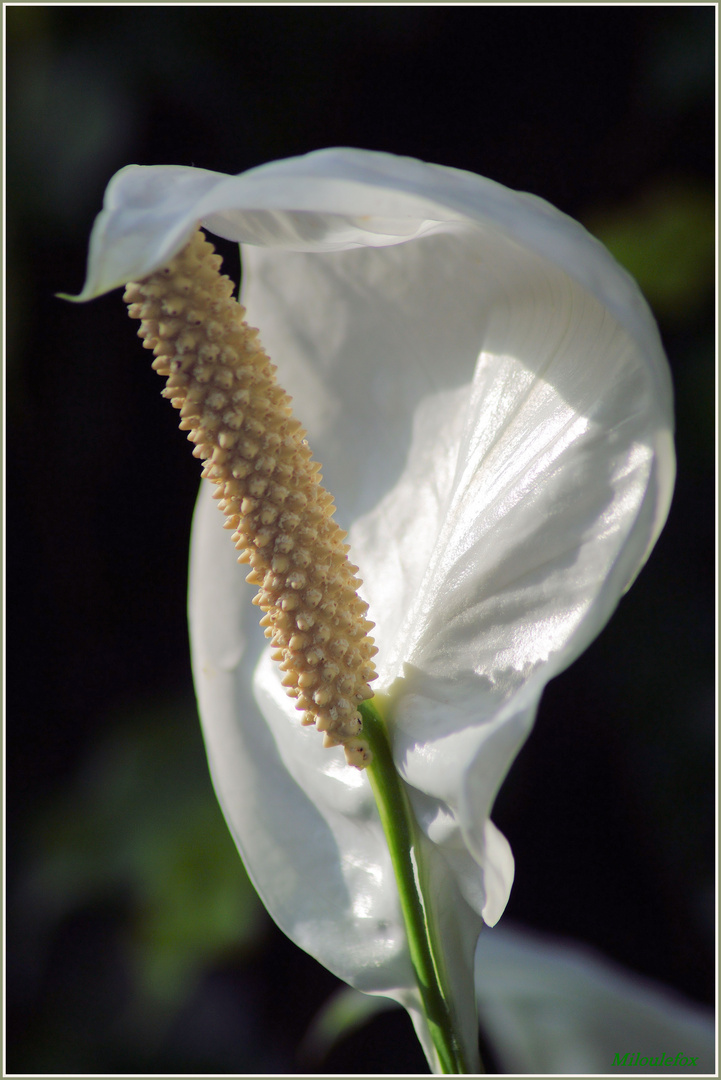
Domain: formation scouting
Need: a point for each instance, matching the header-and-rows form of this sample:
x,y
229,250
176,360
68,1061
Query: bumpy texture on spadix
x,y
268,486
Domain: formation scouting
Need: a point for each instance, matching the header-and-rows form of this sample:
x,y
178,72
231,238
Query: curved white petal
x,y
487,391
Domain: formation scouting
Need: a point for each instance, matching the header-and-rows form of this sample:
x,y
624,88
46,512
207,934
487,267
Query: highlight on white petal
x,y
525,502
548,1006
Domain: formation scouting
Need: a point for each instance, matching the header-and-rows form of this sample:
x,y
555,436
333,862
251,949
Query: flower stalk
x,y
401,832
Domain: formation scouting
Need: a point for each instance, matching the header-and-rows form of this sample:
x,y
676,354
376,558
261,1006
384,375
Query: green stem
x,y
400,828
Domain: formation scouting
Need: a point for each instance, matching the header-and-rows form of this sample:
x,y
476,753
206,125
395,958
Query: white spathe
x,y
488,394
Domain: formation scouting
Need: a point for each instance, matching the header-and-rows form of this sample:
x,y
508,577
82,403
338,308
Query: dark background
x,y
135,943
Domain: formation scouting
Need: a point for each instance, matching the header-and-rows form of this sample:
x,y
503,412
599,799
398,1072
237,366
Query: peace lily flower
x,y
488,394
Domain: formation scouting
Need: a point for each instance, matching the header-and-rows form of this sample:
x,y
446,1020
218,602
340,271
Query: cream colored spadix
x,y
268,487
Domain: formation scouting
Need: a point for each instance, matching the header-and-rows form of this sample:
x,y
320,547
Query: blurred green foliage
x,y
666,238
141,822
